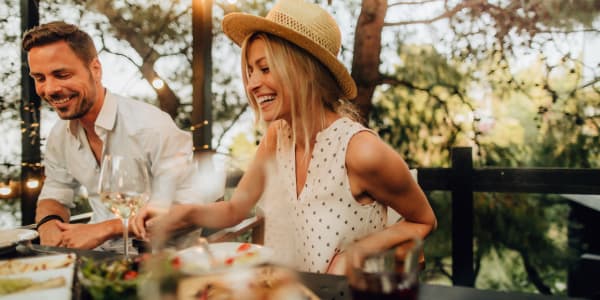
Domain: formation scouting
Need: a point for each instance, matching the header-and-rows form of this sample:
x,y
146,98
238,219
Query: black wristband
x,y
48,218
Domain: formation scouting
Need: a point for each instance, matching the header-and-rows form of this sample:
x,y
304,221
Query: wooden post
x,y
462,216
30,117
202,74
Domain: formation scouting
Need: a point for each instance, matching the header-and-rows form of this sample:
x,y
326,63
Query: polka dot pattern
x,y
325,217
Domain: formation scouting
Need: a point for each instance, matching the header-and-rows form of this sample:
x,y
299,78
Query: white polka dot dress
x,y
325,218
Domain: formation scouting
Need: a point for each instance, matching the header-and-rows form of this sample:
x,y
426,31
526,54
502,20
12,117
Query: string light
x,y
158,83
32,183
5,190
5,185
35,165
198,125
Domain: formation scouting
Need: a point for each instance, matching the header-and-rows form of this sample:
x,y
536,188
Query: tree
x,y
427,104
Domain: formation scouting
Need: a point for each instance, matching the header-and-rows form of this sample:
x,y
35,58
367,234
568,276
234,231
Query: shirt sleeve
x,y
59,183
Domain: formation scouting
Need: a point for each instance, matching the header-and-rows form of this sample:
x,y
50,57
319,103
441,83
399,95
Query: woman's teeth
x,y
263,99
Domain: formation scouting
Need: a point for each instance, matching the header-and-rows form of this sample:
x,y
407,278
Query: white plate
x,y
11,237
59,293
195,260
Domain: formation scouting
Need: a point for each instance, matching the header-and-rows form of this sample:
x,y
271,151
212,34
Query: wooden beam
x,y
30,117
202,74
462,217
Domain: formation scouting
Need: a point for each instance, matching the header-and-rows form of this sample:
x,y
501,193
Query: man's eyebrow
x,y
53,72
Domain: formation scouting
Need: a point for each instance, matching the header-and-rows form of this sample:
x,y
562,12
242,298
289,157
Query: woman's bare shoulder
x,y
368,153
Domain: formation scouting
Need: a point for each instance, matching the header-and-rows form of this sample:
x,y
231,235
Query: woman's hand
x,y
137,223
152,222
338,264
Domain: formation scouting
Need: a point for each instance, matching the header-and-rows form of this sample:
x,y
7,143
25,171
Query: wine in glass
x,y
124,188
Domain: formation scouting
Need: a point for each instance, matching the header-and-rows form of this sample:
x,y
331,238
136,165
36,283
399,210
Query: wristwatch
x,y
47,219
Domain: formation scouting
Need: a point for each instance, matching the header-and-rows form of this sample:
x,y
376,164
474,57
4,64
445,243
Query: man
x,y
64,65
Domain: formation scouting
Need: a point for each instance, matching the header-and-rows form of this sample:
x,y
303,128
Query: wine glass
x,y
209,171
388,274
124,188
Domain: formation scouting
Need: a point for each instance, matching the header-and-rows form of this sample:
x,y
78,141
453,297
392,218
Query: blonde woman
x,y
331,180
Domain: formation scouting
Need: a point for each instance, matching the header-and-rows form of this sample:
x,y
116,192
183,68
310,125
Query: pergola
x,y
31,166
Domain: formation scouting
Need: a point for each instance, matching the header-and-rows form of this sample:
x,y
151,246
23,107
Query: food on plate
x,y
15,285
196,260
243,255
18,266
110,279
266,282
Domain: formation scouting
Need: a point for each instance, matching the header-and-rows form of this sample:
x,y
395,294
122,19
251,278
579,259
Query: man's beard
x,y
84,107
85,104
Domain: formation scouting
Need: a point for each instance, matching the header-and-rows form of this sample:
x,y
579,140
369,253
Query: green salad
x,y
110,279
121,278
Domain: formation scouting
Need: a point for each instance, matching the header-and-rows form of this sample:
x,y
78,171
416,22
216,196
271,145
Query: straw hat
x,y
304,24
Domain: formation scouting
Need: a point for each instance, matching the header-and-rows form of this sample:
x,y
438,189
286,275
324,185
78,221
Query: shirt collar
x,y
106,118
108,114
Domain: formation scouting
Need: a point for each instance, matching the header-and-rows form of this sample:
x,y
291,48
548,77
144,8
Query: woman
x,y
326,180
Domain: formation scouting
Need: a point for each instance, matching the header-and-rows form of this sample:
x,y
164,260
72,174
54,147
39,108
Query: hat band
x,y
293,24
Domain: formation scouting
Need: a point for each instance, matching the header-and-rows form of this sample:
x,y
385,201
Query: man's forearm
x,y
48,207
114,228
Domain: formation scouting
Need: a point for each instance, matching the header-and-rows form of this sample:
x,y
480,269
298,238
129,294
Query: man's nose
x,y
51,87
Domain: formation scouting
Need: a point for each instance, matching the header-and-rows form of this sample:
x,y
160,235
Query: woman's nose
x,y
254,81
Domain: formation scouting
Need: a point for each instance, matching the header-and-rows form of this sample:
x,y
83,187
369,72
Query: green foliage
x,y
539,116
418,117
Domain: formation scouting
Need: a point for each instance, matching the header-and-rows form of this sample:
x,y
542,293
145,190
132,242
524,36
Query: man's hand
x,y
85,236
50,233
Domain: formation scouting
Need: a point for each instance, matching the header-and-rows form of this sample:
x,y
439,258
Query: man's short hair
x,y
80,42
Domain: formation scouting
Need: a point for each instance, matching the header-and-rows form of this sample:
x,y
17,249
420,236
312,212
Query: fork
x,y
203,242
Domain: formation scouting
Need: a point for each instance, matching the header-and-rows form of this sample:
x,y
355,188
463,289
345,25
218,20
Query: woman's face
x,y
264,86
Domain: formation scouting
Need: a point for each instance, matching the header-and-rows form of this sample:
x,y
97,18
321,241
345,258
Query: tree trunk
x,y
168,100
367,49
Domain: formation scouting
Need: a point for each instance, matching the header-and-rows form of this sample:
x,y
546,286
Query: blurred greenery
x,y
520,239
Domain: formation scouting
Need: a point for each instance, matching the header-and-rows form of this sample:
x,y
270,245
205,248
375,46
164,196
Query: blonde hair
x,y
309,85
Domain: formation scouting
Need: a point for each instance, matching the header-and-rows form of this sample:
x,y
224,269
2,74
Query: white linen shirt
x,y
126,127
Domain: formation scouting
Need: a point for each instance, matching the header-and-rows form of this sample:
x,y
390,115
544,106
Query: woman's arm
x,y
216,214
376,171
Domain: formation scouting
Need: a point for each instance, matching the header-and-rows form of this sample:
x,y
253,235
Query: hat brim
x,y
238,26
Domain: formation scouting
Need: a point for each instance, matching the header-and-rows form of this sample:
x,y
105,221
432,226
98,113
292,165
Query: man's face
x,y
63,80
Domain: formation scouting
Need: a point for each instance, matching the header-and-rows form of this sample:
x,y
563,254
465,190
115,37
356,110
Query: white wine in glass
x,y
124,188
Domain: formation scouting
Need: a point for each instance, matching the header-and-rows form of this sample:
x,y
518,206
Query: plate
x,y
12,237
195,260
38,269
264,282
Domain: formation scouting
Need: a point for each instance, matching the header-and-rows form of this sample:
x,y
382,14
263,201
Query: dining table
x,y
325,286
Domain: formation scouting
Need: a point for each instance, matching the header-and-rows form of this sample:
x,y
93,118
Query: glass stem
x,y
126,236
